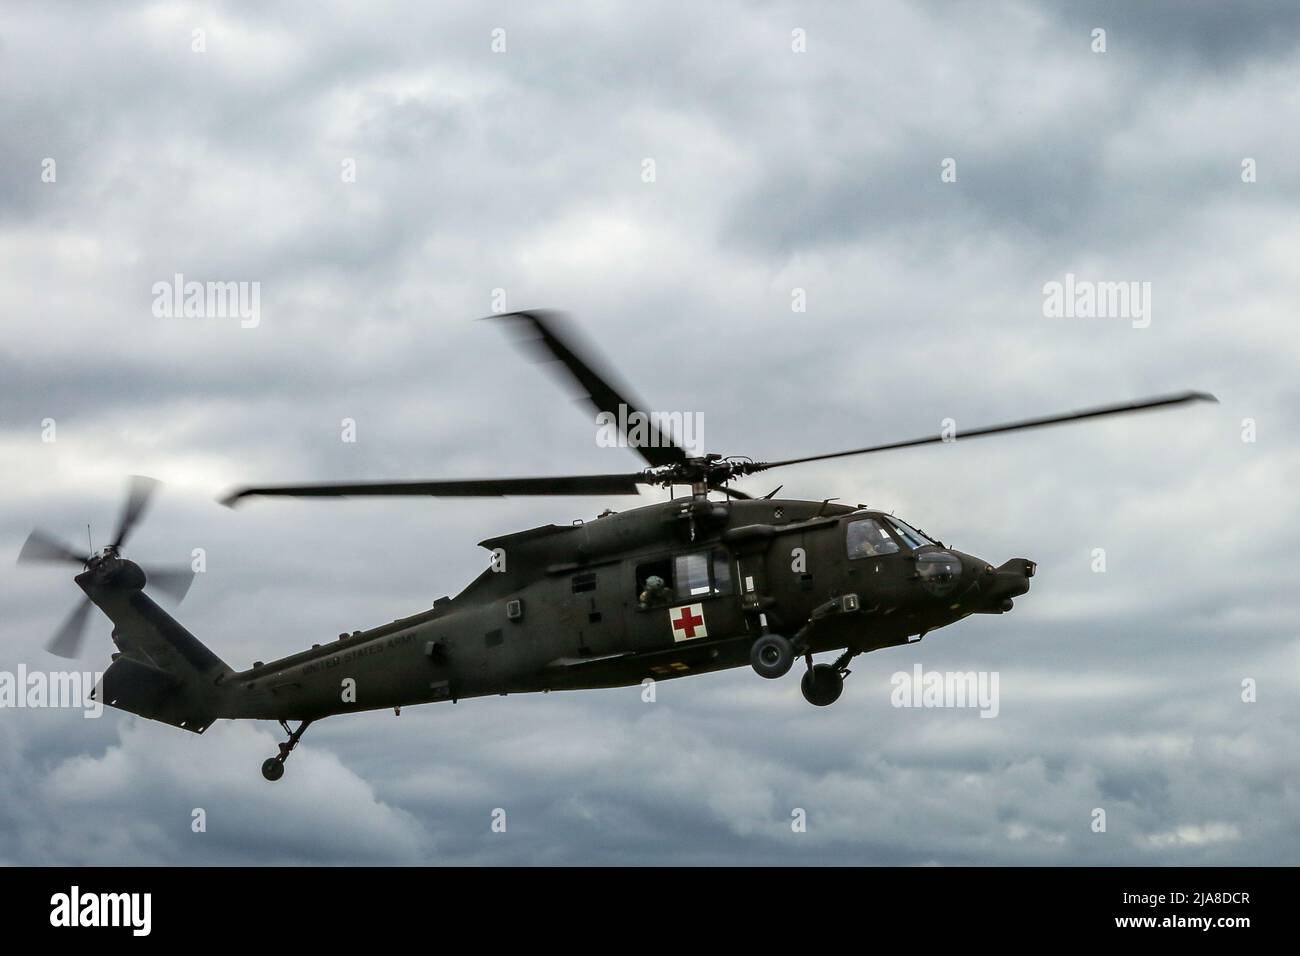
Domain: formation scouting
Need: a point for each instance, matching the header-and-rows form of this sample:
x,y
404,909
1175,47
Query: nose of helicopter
x,y
998,586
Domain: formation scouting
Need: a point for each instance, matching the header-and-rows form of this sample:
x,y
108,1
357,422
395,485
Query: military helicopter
x,y
686,586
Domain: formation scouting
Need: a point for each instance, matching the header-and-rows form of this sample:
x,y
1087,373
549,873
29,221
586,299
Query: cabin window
x,y
693,574
867,538
721,573
584,582
702,573
682,578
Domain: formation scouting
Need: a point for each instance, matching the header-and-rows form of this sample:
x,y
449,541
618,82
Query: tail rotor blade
x,y
67,640
173,582
43,548
140,490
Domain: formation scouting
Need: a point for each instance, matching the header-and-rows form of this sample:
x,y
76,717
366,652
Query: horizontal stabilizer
x,y
143,689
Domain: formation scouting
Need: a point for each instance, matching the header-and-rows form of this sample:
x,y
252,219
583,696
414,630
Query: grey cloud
x,y
776,170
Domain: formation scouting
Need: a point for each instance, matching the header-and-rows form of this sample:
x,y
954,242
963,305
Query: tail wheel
x,y
272,768
771,656
822,685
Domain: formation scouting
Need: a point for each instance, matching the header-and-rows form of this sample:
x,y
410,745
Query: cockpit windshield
x,y
911,537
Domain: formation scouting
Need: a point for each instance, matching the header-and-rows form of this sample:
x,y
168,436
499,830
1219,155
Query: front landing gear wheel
x,y
272,769
822,685
771,656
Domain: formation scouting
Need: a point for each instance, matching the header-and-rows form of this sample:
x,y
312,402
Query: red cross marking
x,y
687,621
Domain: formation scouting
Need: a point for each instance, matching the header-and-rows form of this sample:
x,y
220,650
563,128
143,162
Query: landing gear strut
x,y
822,684
273,767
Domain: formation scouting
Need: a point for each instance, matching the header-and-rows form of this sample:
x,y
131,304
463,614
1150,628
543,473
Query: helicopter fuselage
x,y
568,607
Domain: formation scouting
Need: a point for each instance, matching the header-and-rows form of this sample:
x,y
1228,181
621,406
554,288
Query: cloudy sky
x,y
524,170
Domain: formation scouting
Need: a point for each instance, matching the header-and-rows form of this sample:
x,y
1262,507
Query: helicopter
x,y
713,579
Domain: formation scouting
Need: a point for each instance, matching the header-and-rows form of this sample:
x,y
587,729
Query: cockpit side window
x,y
868,538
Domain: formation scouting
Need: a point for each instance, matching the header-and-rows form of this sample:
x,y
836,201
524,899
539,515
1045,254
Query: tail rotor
x,y
43,548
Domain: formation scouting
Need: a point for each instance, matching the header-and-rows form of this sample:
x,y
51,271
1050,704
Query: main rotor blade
x,y
456,488
1100,411
552,339
67,640
731,492
140,490
173,582
42,548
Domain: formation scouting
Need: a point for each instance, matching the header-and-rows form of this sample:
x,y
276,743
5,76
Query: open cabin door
x,y
684,597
